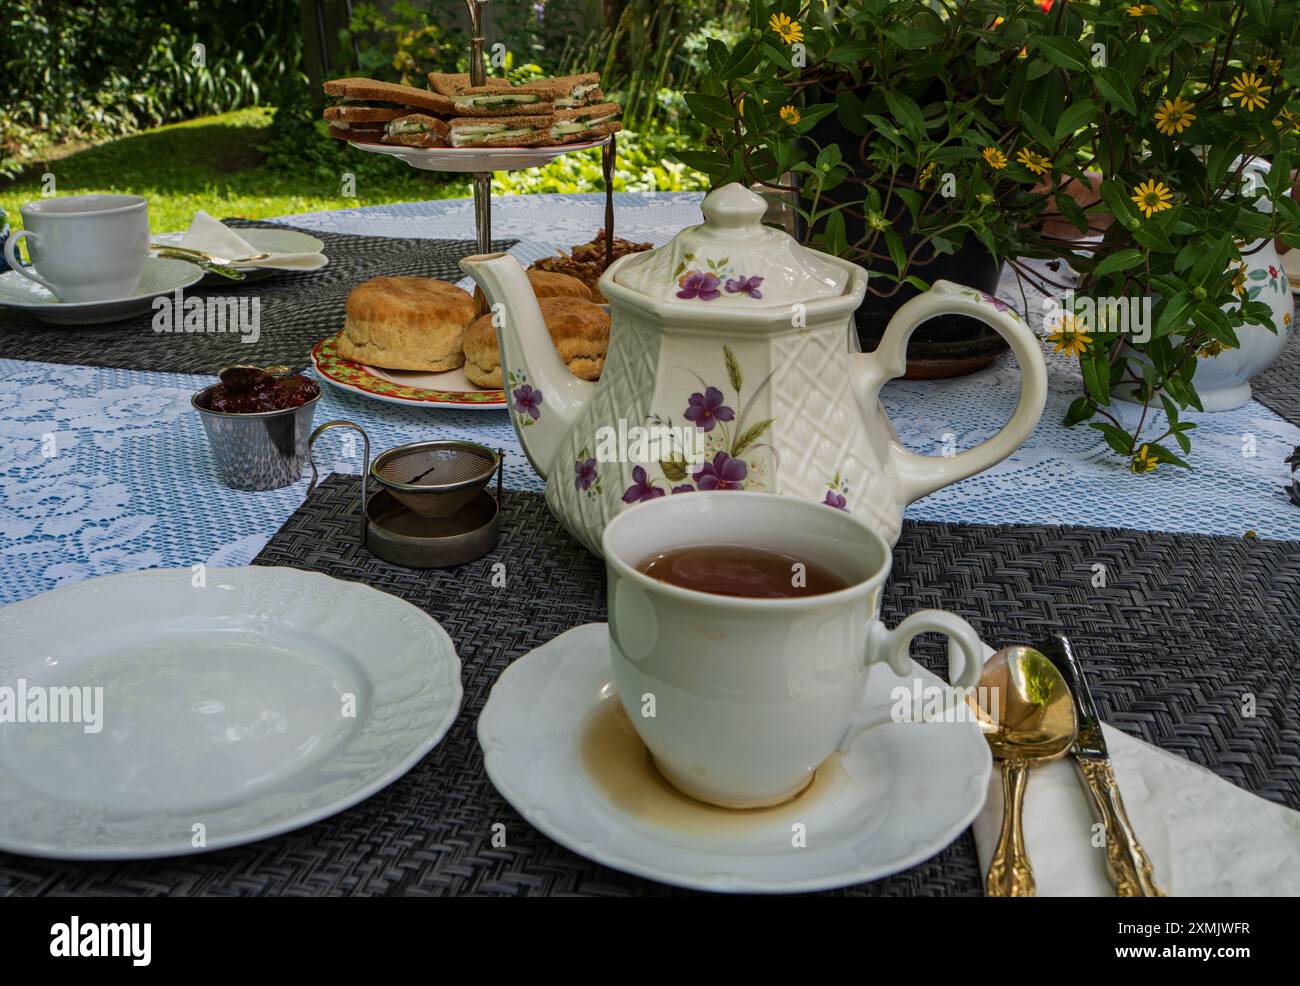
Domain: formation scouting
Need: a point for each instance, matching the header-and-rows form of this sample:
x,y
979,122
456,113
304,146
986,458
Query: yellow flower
x,y
1286,121
1153,197
789,30
1036,163
995,158
1286,318
1144,461
1142,10
790,115
1249,88
1175,116
1239,280
1211,348
1069,336
926,174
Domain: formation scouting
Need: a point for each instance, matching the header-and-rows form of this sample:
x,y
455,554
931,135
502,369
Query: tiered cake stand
x,y
482,161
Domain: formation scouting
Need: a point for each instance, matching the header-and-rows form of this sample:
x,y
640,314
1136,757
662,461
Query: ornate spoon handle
x,y
1009,873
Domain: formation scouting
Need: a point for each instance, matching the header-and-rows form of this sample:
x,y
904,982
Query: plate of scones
x,y
421,342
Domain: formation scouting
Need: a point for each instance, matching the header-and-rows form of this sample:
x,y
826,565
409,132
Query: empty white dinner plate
x,y
160,277
558,748
212,708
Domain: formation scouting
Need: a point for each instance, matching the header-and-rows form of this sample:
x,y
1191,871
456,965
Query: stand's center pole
x,y
477,73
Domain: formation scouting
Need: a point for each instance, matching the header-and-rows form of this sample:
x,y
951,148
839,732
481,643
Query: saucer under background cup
x,y
160,277
893,796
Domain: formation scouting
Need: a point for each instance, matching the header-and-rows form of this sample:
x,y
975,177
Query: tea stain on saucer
x,y
622,770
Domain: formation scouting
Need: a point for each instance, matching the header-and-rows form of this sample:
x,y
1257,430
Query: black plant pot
x,y
946,346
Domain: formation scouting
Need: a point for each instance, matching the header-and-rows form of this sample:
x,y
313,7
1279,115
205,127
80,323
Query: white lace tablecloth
x,y
107,470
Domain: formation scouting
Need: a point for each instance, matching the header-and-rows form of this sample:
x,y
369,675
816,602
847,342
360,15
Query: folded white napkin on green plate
x,y
1205,836
212,237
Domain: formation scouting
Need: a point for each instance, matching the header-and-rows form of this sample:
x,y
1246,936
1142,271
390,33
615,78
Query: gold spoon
x,y
1028,719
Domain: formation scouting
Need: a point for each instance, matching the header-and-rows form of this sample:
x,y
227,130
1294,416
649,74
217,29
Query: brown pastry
x,y
579,329
550,285
406,323
587,261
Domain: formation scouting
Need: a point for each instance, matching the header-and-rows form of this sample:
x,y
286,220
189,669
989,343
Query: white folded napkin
x,y
210,236
1205,837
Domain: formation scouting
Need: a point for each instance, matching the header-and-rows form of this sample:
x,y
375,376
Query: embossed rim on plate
x,y
415,696
355,377
540,773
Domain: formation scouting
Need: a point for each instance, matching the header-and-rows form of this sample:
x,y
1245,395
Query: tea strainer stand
x,y
432,508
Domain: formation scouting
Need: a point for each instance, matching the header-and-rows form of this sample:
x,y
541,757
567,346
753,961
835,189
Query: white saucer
x,y
897,795
259,702
160,277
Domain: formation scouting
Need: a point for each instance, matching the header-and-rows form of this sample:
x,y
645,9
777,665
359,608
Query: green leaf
x,y
835,239
733,369
1117,438
1111,84
712,111
1165,455
1117,261
896,252
1064,52
906,112
1080,410
1096,376
1074,118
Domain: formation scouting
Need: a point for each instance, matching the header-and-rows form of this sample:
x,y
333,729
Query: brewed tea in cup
x,y
742,628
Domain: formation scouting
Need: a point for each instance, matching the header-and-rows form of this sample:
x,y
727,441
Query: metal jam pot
x,y
259,451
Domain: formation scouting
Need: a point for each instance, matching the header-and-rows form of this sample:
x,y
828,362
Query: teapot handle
x,y
923,474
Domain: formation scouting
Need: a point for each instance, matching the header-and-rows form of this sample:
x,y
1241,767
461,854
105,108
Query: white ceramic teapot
x,y
729,368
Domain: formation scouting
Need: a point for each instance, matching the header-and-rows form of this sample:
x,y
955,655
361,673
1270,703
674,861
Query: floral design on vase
x,y
525,399
708,284
730,441
1276,280
997,303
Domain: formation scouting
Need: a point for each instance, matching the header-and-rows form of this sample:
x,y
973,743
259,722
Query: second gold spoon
x,y
1027,715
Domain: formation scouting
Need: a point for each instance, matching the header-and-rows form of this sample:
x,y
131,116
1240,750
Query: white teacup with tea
x,y
83,248
742,627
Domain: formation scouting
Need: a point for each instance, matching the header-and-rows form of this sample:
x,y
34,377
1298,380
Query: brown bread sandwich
x,y
416,130
493,99
407,323
355,93
585,123
500,131
579,329
576,90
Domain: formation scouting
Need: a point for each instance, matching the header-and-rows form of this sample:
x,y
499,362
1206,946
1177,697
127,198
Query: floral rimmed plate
x,y
449,389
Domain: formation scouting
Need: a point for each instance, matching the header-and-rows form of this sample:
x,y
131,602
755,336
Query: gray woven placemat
x,y
1278,387
1184,627
297,311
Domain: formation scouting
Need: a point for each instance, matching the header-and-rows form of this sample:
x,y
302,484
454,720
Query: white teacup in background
x,y
84,247
751,695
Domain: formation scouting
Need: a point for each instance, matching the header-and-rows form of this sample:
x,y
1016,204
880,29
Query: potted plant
x,y
1116,136
878,111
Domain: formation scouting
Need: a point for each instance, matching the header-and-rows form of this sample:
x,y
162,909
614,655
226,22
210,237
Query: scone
x,y
407,323
550,285
579,329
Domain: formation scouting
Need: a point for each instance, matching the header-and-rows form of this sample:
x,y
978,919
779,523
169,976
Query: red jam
x,y
256,392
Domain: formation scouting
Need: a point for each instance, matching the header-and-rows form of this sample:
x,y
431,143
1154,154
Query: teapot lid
x,y
732,260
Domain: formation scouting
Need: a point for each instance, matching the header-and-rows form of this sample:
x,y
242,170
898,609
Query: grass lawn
x,y
213,163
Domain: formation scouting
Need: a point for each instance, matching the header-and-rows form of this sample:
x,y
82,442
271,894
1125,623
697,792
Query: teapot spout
x,y
544,397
